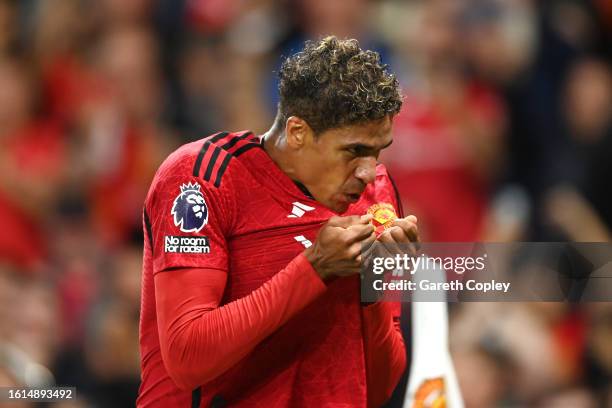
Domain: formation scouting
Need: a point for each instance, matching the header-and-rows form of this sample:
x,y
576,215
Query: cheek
x,y
330,171
339,177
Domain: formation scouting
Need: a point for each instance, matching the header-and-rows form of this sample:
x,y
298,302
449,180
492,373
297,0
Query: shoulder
x,y
206,160
203,169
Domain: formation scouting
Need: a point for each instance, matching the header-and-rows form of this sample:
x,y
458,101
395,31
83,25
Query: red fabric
x,y
200,340
299,345
385,353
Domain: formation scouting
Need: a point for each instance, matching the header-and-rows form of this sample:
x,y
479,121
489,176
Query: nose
x,y
366,170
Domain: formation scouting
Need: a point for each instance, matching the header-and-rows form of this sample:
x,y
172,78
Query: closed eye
x,y
359,150
363,150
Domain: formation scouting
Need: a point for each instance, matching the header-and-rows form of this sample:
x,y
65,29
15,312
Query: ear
x,y
297,132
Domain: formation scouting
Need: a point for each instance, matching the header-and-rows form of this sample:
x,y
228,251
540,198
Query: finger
x,y
412,218
366,218
390,239
345,222
368,246
408,245
379,249
351,266
409,228
369,241
386,237
363,246
408,221
354,251
366,242
410,240
399,235
359,232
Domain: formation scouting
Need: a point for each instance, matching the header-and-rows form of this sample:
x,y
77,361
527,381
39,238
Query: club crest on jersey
x,y
189,209
383,214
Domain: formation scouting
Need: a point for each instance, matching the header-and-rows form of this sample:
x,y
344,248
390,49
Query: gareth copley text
x,y
454,285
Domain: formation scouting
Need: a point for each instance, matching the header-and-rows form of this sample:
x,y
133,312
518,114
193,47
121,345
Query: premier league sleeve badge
x,y
189,209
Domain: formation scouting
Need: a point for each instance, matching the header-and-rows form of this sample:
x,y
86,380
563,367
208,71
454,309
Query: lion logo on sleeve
x,y
189,209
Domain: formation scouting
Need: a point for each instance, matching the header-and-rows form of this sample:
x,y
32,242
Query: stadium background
x,y
505,135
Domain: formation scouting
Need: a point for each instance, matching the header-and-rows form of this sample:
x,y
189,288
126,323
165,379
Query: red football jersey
x,y
222,203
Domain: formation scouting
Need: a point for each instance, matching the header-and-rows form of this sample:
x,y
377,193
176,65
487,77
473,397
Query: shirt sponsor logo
x,y
299,210
189,209
186,245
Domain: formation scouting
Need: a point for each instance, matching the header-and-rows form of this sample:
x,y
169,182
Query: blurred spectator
x,y
598,356
78,260
346,19
125,142
317,18
574,397
34,149
520,332
211,16
8,28
588,123
117,13
482,376
111,346
58,39
448,136
29,328
200,113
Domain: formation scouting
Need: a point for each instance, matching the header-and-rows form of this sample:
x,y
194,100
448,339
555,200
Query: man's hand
x,y
402,236
403,231
337,249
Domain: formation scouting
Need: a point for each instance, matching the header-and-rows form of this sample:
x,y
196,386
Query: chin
x,y
341,208
337,205
338,208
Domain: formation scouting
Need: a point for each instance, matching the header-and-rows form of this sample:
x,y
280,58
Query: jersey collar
x,y
262,164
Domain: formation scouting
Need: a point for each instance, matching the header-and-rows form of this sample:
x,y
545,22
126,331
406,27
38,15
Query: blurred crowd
x,y
505,135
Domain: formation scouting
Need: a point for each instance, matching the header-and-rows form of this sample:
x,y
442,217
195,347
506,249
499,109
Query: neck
x,y
275,144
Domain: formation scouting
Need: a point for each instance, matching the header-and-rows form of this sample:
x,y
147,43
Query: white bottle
x,y
432,382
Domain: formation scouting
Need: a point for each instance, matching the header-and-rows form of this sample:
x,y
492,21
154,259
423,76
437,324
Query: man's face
x,y
336,165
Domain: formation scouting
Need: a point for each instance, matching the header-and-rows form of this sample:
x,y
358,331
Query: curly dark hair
x,y
334,83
